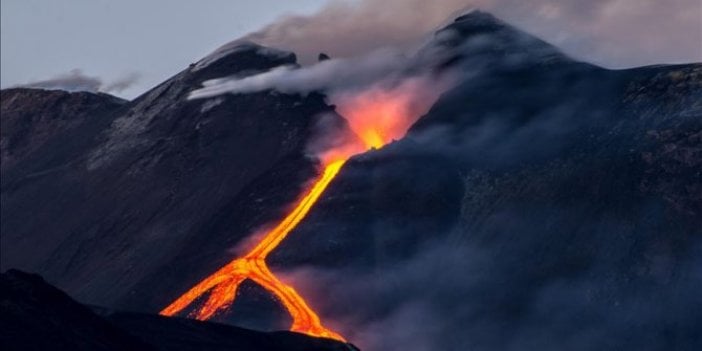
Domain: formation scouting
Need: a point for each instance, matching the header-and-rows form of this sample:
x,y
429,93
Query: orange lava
x,y
222,285
380,114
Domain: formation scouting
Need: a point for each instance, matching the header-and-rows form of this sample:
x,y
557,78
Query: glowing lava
x,y
224,283
375,117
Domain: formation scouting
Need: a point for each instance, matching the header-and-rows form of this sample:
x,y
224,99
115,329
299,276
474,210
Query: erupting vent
x,y
376,116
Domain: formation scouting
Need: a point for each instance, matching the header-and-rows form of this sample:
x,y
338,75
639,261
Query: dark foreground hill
x,y
36,316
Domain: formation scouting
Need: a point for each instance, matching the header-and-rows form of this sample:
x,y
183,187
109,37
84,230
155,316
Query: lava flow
x,y
224,283
375,117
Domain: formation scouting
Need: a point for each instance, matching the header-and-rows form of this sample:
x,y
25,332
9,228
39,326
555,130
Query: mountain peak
x,y
236,47
476,22
479,35
237,57
479,17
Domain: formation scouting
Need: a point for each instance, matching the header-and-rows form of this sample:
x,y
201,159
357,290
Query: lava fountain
x,y
375,117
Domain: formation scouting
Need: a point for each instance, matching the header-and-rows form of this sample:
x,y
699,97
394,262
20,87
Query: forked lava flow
x,y
223,284
375,116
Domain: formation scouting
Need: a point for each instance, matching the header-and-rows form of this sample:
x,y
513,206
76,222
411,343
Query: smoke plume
x,y
611,32
76,80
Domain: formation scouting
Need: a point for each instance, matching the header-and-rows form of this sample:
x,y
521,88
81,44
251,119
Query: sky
x,y
126,47
152,39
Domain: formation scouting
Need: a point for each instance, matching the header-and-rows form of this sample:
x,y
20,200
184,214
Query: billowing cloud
x,y
611,32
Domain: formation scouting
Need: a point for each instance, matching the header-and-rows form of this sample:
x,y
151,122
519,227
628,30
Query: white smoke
x,y
326,75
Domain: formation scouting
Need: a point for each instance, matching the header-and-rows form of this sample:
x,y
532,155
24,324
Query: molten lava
x,y
376,116
224,283
380,114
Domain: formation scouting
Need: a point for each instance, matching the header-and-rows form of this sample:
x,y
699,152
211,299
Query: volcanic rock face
x,y
32,118
37,316
542,203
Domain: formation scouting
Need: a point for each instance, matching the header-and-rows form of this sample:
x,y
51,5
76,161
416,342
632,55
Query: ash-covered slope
x,y
37,316
132,192
33,117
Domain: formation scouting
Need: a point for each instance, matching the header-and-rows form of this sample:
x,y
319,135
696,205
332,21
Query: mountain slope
x,y
142,184
31,118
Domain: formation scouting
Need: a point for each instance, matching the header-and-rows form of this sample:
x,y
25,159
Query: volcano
x,y
539,203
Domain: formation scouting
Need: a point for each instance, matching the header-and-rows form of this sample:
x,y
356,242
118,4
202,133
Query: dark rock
x,y
36,316
33,117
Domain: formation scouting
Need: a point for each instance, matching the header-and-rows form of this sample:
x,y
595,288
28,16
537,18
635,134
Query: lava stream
x,y
222,285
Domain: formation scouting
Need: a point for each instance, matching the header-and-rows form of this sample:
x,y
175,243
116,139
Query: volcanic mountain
x,y
541,203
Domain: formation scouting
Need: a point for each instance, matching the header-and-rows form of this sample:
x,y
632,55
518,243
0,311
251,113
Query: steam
x,y
328,75
345,29
121,84
76,80
611,32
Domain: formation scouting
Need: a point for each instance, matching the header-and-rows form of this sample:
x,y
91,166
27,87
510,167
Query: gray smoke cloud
x,y
76,80
611,32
